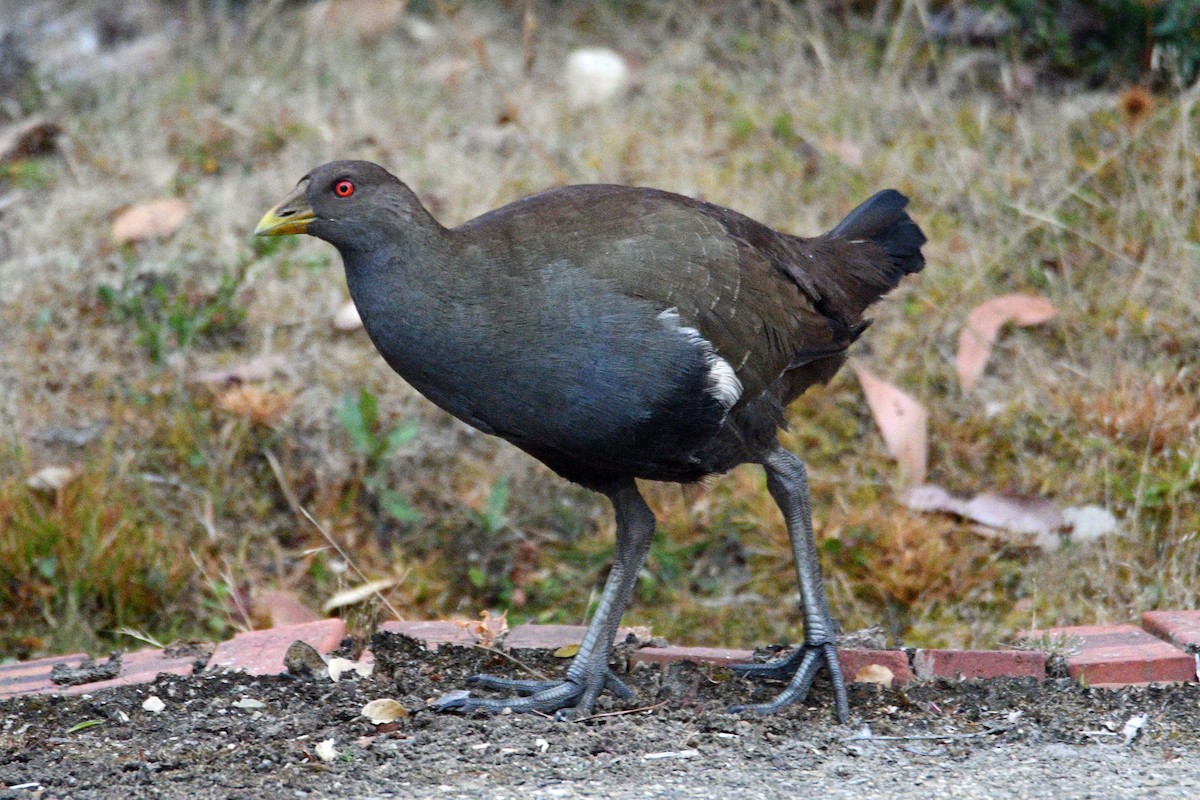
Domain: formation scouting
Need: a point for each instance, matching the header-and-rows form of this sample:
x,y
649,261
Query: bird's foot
x,y
798,669
571,698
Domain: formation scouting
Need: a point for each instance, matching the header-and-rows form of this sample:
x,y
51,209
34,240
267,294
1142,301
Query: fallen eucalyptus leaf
x,y
384,710
983,326
155,219
875,673
903,422
357,594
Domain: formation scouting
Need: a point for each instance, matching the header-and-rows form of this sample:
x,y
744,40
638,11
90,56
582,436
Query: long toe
x,y
781,669
524,686
516,685
808,660
563,695
570,698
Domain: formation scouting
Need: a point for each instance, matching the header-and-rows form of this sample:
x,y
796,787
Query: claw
x,y
452,701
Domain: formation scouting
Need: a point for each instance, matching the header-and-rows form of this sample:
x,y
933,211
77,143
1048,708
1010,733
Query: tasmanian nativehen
x,y
616,333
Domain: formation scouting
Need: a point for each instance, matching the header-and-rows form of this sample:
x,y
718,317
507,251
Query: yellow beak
x,y
292,215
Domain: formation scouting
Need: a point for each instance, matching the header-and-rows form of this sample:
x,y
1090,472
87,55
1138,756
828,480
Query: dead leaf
x,y
248,704
928,497
983,326
903,422
155,219
325,750
488,628
357,594
1020,514
28,139
1088,523
256,369
875,673
257,405
1133,726
567,651
339,666
384,710
50,479
347,317
1022,519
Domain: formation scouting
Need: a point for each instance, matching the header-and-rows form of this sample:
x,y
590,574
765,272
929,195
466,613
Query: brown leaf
x,y
384,710
875,673
903,422
29,139
487,629
259,406
983,326
154,219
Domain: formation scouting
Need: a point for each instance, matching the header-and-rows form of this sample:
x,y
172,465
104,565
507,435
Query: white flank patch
x,y
723,383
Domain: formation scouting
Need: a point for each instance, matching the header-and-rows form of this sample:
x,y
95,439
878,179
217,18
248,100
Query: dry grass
x,y
178,516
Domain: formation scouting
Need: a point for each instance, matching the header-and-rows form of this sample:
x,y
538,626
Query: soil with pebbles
x,y
930,739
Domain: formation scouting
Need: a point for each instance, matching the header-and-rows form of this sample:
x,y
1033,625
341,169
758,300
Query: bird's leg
x,y
787,480
588,674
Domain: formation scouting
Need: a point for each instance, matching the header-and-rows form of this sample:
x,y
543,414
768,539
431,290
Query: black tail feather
x,y
883,221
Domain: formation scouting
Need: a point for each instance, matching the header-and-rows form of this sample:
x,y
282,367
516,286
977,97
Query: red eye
x,y
343,188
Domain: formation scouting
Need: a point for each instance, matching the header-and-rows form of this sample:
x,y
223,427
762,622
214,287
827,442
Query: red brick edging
x,y
1167,650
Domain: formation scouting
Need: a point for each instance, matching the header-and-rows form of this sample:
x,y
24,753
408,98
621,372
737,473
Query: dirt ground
x,y
942,739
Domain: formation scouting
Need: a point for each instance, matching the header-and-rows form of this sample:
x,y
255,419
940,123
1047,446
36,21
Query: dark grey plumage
x,y
614,333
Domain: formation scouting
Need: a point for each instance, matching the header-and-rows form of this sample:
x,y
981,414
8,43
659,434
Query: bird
x,y
616,333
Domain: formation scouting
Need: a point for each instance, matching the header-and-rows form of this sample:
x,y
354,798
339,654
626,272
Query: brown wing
x,y
727,276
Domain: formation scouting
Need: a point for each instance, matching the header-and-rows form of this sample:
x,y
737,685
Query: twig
x,y
290,496
284,485
623,712
858,737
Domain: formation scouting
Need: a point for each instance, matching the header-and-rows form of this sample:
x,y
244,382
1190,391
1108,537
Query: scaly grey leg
x,y
588,674
787,480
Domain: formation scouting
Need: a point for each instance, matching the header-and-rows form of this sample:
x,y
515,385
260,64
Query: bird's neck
x,y
404,292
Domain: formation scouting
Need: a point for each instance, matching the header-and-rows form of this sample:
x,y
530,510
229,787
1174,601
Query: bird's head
x,y
350,204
